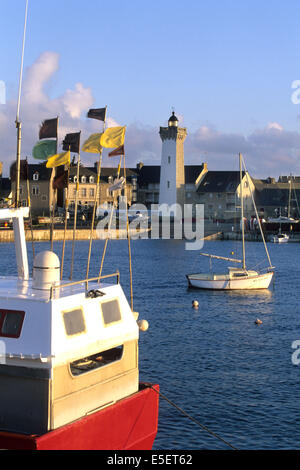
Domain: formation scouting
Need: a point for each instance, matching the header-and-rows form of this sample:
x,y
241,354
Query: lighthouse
x,y
172,179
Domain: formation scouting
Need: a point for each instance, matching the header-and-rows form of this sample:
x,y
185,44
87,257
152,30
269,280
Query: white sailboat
x,y
236,277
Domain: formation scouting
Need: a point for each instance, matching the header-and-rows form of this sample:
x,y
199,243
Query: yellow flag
x,y
92,144
113,137
58,160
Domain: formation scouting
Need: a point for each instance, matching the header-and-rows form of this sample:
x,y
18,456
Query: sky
x,y
226,67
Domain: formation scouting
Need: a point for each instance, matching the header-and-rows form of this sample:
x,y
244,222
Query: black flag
x,y
48,129
72,142
97,114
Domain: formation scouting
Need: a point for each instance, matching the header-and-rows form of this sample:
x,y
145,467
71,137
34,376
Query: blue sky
x,y
225,66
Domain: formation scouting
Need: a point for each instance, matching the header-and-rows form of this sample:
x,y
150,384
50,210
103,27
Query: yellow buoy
x,y
195,303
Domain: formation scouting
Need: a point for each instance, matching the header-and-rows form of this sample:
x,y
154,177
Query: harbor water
x,y
239,379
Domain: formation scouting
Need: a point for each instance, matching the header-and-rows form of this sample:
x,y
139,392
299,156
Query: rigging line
x,y
109,223
128,239
205,428
95,201
257,216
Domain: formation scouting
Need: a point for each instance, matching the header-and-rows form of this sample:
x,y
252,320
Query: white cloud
x,y
269,151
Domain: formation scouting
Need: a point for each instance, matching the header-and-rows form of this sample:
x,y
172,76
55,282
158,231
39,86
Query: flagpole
x,y
65,228
128,239
109,225
75,215
54,191
18,123
29,205
95,203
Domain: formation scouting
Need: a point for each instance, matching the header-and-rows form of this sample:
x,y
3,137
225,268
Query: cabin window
x,y
74,322
87,364
11,322
111,312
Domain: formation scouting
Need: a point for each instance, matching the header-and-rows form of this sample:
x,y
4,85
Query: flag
x,y
48,129
113,137
58,160
72,142
119,151
99,114
92,144
61,181
43,149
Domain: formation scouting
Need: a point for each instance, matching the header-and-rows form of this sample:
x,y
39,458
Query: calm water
x,y
235,377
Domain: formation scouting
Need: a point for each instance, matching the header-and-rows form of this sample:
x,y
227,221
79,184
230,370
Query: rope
x,y
205,428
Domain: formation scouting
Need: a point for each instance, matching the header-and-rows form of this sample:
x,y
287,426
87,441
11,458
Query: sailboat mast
x,y
18,123
290,190
242,211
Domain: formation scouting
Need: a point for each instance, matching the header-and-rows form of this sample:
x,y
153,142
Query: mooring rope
x,y
205,428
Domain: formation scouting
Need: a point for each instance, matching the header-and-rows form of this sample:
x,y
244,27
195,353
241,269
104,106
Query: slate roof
x,y
151,174
220,182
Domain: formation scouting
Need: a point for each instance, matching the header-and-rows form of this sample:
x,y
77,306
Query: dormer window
x,y
91,179
75,179
83,179
110,179
35,176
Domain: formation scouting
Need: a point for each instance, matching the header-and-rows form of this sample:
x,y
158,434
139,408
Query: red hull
x,y
130,424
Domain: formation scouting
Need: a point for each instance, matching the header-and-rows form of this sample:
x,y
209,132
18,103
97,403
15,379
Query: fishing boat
x,y
280,238
236,278
69,368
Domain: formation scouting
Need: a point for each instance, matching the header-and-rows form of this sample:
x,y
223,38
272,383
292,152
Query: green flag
x,y
43,149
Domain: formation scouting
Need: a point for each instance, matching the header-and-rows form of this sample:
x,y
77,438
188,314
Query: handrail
x,y
86,281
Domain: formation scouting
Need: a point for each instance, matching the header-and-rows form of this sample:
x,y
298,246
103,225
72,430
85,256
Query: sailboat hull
x,y
224,282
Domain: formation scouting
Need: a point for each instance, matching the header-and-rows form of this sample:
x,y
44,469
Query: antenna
x,y
18,123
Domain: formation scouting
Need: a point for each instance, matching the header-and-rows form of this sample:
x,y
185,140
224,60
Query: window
x,y
169,159
74,322
110,311
44,197
35,176
83,179
35,190
168,184
11,322
95,361
91,179
92,192
83,192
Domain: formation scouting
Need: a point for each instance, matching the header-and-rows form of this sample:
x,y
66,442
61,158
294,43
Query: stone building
x,y
274,198
37,179
220,193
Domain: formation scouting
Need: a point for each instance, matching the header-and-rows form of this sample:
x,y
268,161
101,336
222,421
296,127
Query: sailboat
x,y
236,278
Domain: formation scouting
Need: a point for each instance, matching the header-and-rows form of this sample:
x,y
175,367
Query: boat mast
x,y
290,190
18,123
242,211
